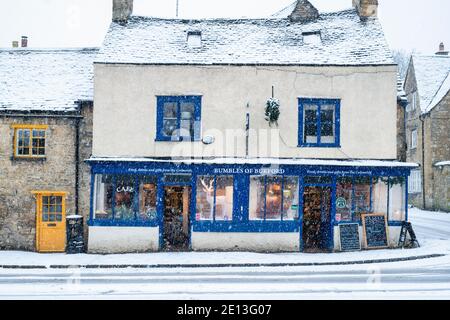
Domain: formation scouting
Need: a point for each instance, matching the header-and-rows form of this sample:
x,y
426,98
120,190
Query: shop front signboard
x,y
375,232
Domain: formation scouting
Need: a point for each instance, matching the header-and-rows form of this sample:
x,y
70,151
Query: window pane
x,y
273,198
327,127
379,195
124,205
224,198
362,197
170,127
397,192
257,203
103,196
310,123
147,198
170,110
205,198
187,118
327,113
290,198
344,199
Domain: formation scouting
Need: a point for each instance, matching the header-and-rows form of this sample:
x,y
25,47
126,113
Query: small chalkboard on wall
x,y
349,237
375,232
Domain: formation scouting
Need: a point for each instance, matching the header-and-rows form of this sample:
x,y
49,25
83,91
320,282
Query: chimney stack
x,y
24,41
122,10
366,8
304,11
442,51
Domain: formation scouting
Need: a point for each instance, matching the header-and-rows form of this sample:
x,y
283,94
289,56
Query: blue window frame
x,y
215,198
273,198
178,118
125,200
319,123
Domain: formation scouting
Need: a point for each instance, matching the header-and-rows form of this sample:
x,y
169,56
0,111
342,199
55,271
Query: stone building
x,y
46,106
184,157
427,86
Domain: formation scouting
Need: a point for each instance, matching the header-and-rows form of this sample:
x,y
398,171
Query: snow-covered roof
x,y
345,40
266,161
401,94
45,79
442,164
441,93
430,73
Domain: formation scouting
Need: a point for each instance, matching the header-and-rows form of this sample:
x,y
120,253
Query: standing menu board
x,y
349,237
375,232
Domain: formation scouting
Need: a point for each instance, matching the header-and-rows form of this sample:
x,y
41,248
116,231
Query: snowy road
x,y
396,281
418,279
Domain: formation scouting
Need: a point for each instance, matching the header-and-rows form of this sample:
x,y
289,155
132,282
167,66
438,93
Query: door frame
x,y
332,185
38,195
162,185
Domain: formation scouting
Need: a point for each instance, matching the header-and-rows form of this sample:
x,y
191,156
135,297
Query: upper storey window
x,y
179,118
319,122
29,141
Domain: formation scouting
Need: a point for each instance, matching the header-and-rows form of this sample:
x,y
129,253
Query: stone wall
x,y
439,150
413,122
442,188
85,149
436,144
57,172
401,134
18,178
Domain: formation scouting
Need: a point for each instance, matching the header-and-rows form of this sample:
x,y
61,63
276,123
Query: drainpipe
x,y
77,161
423,161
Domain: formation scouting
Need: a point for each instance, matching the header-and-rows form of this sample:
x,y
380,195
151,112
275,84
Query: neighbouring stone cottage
x,y
46,106
427,129
245,134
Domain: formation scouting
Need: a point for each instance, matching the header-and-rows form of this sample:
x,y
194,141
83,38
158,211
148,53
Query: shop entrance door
x,y
316,219
50,222
176,234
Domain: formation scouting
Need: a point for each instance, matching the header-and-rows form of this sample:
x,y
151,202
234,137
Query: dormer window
x,y
194,39
312,37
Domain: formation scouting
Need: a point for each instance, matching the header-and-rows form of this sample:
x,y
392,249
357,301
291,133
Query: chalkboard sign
x,y
375,231
349,237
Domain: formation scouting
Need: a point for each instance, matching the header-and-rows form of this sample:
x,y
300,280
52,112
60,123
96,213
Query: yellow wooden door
x,y
51,222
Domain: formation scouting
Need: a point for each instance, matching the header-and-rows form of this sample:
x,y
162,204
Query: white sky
x,y
409,24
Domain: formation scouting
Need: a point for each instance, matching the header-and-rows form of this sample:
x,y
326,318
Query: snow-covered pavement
x,y
417,279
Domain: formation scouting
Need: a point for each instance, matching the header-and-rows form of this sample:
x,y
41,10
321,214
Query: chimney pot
x,y
442,51
122,10
366,8
24,41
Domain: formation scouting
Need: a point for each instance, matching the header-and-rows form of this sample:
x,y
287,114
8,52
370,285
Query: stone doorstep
x,y
219,265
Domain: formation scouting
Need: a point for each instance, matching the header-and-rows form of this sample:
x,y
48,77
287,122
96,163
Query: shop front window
x,y
117,198
361,197
124,196
273,198
344,192
397,190
215,198
290,198
103,196
147,198
380,195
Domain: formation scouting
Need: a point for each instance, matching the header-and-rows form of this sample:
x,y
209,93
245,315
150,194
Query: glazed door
x,y
176,218
316,219
51,223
